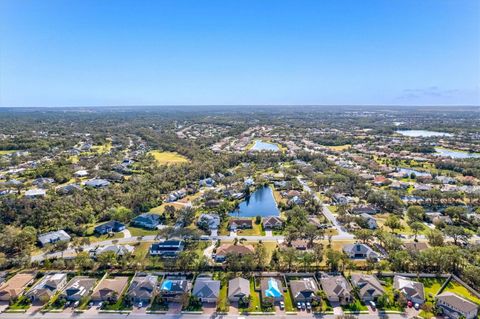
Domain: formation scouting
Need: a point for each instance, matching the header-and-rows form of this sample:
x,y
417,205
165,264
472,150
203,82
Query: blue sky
x,y
167,52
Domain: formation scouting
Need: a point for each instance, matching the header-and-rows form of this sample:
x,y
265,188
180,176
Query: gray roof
x,y
142,286
305,286
457,302
47,286
336,286
79,287
369,285
206,288
54,236
238,286
410,288
355,249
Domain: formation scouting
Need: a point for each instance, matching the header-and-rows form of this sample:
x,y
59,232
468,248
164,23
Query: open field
x,y
166,158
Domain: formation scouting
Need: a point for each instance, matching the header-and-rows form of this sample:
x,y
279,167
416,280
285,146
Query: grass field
x,y
432,286
455,287
340,147
137,231
7,152
166,158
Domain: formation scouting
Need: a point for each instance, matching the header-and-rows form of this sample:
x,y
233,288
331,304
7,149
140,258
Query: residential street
x,y
177,316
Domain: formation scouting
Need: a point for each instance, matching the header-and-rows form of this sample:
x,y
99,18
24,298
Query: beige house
x,y
16,285
110,289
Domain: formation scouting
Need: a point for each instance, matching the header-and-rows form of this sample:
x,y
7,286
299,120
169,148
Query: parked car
x,y
282,305
417,306
299,306
373,305
303,306
409,304
309,306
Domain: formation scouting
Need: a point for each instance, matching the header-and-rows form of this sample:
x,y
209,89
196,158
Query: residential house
x,y
142,289
271,288
43,182
369,287
35,193
118,250
209,221
213,203
299,244
455,306
206,289
341,199
147,220
304,290
207,182
272,222
226,249
15,286
112,226
337,289
360,251
364,209
174,288
97,183
167,248
81,173
53,237
47,287
110,289
371,222
78,288
412,290
68,189
240,223
238,288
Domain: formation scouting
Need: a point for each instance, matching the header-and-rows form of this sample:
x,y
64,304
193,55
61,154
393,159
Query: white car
x,y
282,305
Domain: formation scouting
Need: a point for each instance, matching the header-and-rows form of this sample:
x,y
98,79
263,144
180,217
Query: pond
x,y
259,203
422,133
264,146
409,171
454,153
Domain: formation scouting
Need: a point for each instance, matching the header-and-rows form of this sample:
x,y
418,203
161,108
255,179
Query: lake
x,y
454,153
409,172
422,133
259,203
264,146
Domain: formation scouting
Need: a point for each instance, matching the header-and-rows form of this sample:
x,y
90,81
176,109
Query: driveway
x,y
126,233
268,233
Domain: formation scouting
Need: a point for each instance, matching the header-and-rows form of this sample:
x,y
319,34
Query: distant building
x,y
53,237
371,222
35,193
97,183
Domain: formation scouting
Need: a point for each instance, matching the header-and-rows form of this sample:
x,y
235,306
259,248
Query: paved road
x,y
177,316
342,233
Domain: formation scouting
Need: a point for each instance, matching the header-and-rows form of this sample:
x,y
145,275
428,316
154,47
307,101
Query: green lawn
x,y
158,304
432,286
254,300
137,231
223,304
22,303
255,231
355,306
455,287
165,158
287,298
7,152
